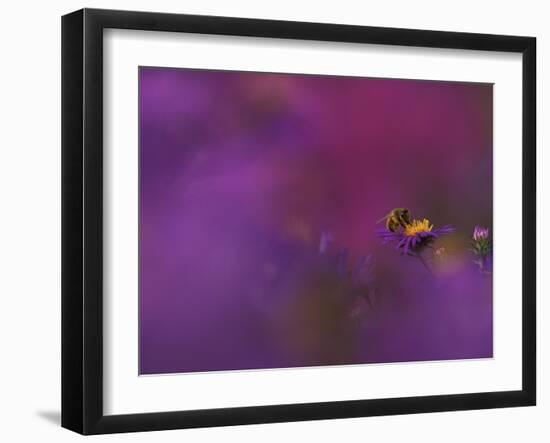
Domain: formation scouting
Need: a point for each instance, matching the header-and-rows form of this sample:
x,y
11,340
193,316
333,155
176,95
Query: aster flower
x,y
480,233
342,264
413,238
359,283
363,273
325,242
357,279
481,247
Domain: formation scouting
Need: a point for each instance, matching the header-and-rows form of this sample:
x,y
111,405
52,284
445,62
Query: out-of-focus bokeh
x,y
259,201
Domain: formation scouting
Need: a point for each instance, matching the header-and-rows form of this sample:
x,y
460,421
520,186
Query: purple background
x,y
240,174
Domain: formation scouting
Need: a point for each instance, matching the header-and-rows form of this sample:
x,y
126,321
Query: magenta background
x,y
240,173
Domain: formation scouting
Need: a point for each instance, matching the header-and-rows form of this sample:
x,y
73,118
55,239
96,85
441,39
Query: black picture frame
x,y
82,221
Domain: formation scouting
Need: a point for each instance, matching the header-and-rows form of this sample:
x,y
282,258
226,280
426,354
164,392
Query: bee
x,y
396,218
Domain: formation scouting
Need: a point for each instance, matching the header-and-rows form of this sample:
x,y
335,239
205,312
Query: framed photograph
x,y
269,221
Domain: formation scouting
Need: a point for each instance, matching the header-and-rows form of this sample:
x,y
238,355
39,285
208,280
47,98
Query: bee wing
x,y
383,218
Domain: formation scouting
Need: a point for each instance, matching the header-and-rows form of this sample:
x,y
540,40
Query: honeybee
x,y
396,218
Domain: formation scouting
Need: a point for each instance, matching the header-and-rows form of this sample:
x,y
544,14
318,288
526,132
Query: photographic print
x,y
292,220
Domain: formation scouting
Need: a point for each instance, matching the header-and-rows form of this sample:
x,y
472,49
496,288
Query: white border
x,y
126,392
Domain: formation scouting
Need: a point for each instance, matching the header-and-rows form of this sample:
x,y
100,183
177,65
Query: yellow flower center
x,y
417,226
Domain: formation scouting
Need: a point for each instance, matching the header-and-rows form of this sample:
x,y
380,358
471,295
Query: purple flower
x,y
481,247
480,233
357,282
343,263
363,273
414,237
325,242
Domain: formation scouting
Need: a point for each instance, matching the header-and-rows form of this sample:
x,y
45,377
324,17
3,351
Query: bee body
x,y
398,217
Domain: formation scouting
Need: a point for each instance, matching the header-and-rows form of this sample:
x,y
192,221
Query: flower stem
x,y
423,261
